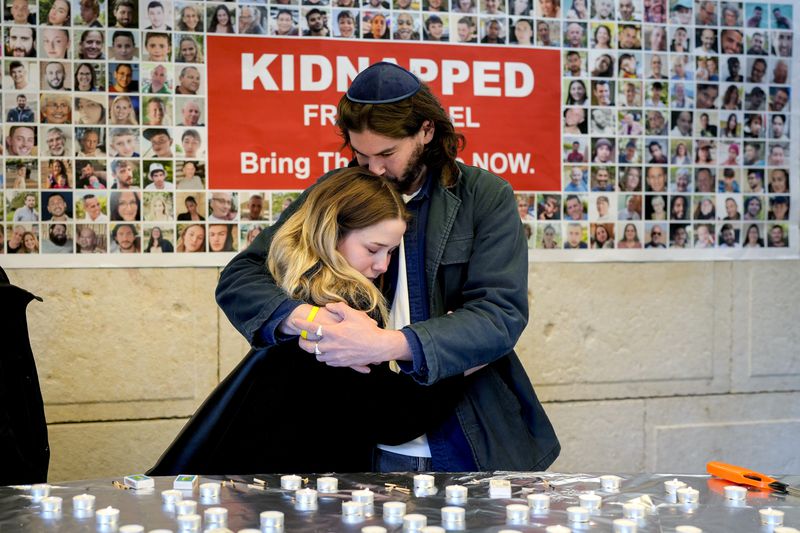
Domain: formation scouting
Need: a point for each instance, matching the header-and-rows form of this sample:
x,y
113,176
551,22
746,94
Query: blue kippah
x,y
383,83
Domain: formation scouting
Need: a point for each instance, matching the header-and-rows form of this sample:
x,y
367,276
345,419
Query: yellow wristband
x,y
309,318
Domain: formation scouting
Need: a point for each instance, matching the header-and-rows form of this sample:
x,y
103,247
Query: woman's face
x,y
92,45
189,51
30,242
193,238
156,233
123,75
680,237
191,206
678,207
217,234
681,149
600,234
222,16
730,207
159,207
706,207
732,121
574,116
632,180
128,207
252,234
658,205
284,23
190,18
630,232
121,109
523,32
91,111
602,37
752,235
347,26
465,6
58,14
378,26
55,167
368,250
549,238
155,113
84,77
577,91
656,37
189,170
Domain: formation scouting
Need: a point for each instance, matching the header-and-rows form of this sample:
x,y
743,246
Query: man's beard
x,y
58,240
411,179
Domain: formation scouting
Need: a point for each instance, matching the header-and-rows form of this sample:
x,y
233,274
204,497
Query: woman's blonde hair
x,y
303,256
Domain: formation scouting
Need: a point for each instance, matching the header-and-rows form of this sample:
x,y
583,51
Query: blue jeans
x,y
383,461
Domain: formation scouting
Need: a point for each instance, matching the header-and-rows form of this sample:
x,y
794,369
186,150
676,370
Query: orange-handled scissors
x,y
744,476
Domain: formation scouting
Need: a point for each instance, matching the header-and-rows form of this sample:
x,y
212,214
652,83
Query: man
x,y
757,45
656,152
157,17
255,207
707,43
575,35
732,41
626,11
90,143
752,155
656,123
656,66
315,19
777,155
755,19
55,42
727,237
191,143
574,237
93,211
420,341
630,155
27,212
602,180
704,180
56,141
21,113
21,42
158,81
58,241
603,151
124,143
124,13
575,155
87,241
188,81
776,237
123,46
87,178
15,240
157,47
465,30
777,129
18,72
602,209
57,208
755,180
679,98
779,208
573,64
577,182
125,238
629,37
21,140
657,237
682,13
542,34
221,204
729,182
707,13
601,93
160,142
656,95
158,177
784,46
781,21
190,113
54,76
603,9
779,181
780,98
755,99
21,13
734,70
631,93
707,96
656,179
683,124
122,170
250,21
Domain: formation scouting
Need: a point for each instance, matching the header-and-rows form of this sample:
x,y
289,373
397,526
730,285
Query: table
x,y
245,500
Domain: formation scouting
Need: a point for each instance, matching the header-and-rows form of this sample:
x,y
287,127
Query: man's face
x,y
734,67
156,16
779,100
255,205
124,176
87,239
123,48
627,38
124,16
656,179
20,11
604,8
574,209
576,176
685,123
731,42
754,207
436,30
754,182
704,181
87,170
574,63
30,201
58,234
574,34
785,44
22,141
574,235
55,42
728,236
706,98
776,236
158,48
626,9
89,142
190,80
779,181
707,39
464,32
217,234
191,114
682,182
758,71
602,207
22,102
125,145
125,239
656,121
603,153
750,153
602,94
162,144
55,143
492,5
20,41
92,45
757,42
731,207
191,145
543,33
600,118
56,206
656,235
776,156
18,76
54,74
221,204
602,178
683,15
399,160
158,177
655,151
315,22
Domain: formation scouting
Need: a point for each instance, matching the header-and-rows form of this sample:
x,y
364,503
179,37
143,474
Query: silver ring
x,y
319,331
316,349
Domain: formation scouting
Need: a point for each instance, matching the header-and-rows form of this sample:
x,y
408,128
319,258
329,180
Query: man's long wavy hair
x,y
405,118
303,256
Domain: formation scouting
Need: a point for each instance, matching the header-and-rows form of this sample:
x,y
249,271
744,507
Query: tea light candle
x,y
557,529
623,525
107,516
784,529
610,482
83,502
271,520
453,514
688,495
434,529
306,499
291,482
327,485
186,507
51,504
39,491
539,502
209,491
455,493
633,511
688,529
216,515
517,513
352,509
394,511
424,485
673,485
189,522
590,501
131,528
735,492
577,514
364,496
771,517
414,522
373,529
171,496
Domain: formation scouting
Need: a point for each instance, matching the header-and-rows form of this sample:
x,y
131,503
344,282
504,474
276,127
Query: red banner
x,y
272,104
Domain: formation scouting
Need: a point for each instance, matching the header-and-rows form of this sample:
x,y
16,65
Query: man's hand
x,y
354,340
300,313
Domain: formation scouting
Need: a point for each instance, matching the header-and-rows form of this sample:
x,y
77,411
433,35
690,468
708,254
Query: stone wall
x,y
642,367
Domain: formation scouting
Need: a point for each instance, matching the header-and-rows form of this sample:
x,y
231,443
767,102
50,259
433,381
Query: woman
x,y
59,14
678,210
523,32
346,24
91,45
575,121
705,210
464,7
192,239
602,236
731,100
123,80
57,175
30,244
658,208
603,67
21,177
252,233
576,94
220,238
703,155
89,111
191,211
188,51
158,209
122,111
658,39
731,128
630,237
578,10
125,206
753,238
602,37
90,13
733,155
157,243
632,181
85,78
378,28
323,254
190,19
156,112
550,8
679,238
681,156
220,21
754,126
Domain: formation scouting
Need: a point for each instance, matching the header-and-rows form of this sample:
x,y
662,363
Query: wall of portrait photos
x,y
676,124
